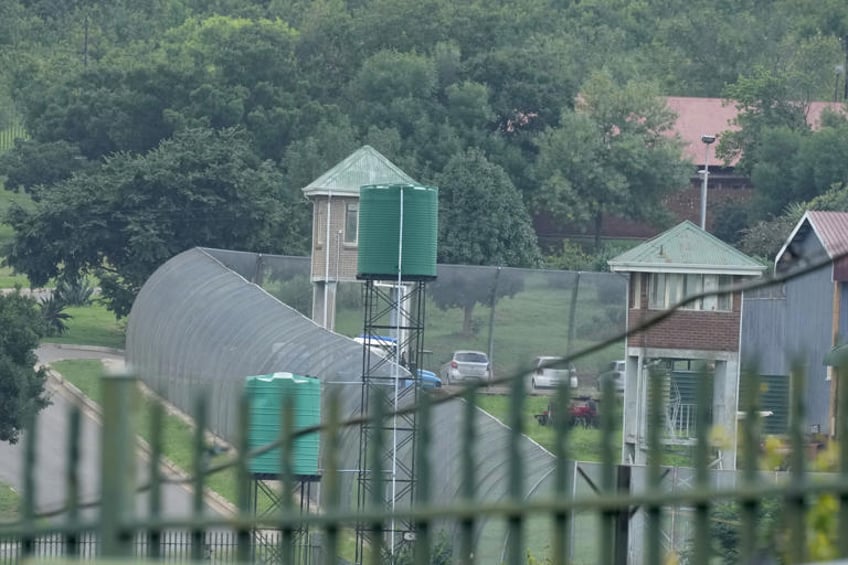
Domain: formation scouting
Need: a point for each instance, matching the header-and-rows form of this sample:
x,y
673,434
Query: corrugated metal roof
x,y
364,166
686,248
831,230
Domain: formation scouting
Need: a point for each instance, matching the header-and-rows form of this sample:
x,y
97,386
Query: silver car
x,y
549,374
467,366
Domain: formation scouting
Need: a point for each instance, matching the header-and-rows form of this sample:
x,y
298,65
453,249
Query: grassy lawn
x,y
9,503
533,322
584,443
177,436
8,279
92,325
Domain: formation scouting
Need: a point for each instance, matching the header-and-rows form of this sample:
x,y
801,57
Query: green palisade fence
x,y
112,527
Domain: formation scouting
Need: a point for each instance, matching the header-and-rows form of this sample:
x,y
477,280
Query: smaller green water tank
x,y
382,211
268,394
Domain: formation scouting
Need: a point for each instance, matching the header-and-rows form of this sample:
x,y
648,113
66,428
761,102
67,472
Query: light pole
x,y
707,139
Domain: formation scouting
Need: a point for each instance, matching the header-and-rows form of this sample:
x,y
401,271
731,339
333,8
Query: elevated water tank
x,y
381,216
268,395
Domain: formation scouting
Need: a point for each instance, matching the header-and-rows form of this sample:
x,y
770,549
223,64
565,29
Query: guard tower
x,y
676,264
397,256
335,223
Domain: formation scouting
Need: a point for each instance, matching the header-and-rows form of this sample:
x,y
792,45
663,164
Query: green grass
x,y
178,436
584,443
178,440
533,322
9,503
92,325
8,279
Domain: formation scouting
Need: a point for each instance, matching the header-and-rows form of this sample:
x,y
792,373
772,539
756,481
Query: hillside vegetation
x,y
144,127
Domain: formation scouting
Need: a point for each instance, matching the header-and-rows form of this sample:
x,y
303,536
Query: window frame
x,y
668,289
351,207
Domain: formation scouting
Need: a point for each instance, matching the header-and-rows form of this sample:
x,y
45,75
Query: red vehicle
x,y
582,412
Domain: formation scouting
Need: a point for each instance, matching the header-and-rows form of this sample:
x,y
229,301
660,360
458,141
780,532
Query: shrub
x,y
74,291
53,312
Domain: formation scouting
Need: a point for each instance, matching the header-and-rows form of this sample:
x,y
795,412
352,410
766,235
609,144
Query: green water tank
x,y
268,394
381,215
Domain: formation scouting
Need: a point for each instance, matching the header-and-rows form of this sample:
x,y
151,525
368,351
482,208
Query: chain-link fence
x,y
202,322
514,315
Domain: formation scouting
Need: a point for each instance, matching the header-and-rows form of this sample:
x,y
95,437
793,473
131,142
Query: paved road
x,y
52,446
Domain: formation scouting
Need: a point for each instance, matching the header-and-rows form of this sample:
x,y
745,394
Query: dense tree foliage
x,y
22,392
610,155
124,219
562,96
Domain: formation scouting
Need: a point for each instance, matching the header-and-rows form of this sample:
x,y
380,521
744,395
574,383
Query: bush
x,y
53,312
74,291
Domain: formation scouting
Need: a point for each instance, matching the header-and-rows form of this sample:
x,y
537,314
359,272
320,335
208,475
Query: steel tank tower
x,y
398,238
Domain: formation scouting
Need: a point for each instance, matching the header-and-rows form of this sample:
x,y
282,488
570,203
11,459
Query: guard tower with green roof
x,y
662,272
335,223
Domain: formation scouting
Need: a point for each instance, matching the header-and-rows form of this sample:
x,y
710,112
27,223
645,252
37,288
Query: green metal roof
x,y
364,166
686,248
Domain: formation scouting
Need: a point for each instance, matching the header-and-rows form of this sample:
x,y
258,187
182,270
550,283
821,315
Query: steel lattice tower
x,y
387,477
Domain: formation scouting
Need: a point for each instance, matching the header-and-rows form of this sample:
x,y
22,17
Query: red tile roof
x,y
712,116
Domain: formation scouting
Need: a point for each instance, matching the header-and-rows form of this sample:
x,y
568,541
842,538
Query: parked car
x,y
428,380
615,373
383,347
467,366
547,374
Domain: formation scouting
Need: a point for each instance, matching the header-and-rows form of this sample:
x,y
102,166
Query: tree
x,y
463,287
612,155
766,237
21,385
124,219
30,163
482,221
797,165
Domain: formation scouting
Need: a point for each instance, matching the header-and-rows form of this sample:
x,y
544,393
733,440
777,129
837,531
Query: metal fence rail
x,y
552,515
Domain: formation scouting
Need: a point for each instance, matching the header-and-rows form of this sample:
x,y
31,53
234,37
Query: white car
x,y
549,374
467,366
615,373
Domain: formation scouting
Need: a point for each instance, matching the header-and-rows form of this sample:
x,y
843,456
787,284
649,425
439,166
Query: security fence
x,y
514,315
484,491
576,513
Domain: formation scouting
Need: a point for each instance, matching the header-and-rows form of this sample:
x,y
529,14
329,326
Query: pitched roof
x,y
364,166
830,228
686,248
712,116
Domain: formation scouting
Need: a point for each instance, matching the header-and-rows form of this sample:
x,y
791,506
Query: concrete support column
x,y
324,304
632,410
726,406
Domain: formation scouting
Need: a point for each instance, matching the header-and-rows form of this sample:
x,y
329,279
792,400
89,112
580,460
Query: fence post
x,y
622,520
117,469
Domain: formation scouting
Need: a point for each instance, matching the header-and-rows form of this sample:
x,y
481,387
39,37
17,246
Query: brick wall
x,y
683,205
343,256
686,329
